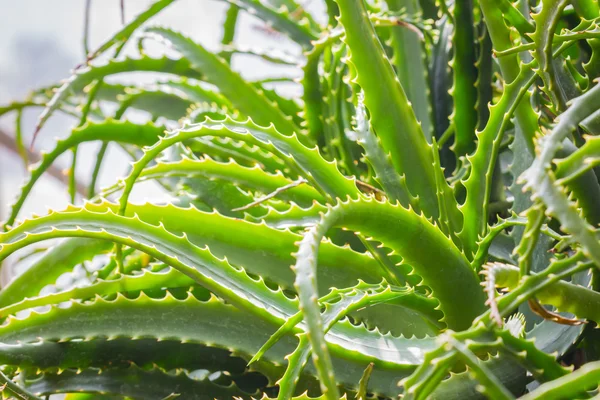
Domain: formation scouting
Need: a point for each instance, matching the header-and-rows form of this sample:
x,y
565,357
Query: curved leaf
x,y
109,130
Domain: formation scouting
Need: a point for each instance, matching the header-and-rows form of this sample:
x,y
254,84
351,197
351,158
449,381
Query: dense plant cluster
x,y
434,190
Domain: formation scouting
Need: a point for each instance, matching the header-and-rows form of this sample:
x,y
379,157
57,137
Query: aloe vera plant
x,y
439,152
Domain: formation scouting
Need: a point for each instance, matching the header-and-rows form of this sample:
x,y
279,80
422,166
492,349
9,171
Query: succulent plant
x,y
439,152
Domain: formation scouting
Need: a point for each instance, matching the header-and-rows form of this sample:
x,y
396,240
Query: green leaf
x,y
438,262
152,384
546,22
305,162
569,386
282,18
360,296
59,259
108,130
464,91
579,162
207,168
409,60
145,281
229,27
565,296
393,184
86,75
392,117
211,322
526,117
159,103
540,179
244,96
125,33
478,183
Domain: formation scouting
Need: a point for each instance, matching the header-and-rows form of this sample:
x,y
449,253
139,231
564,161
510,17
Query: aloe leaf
x,y
393,184
249,100
579,162
312,94
84,76
207,322
145,281
546,21
424,380
288,106
540,179
410,63
220,196
542,365
515,17
585,378
492,387
97,167
198,113
346,298
294,217
124,34
495,230
590,11
311,82
359,215
305,269
11,390
332,84
461,386
21,105
532,284
243,153
269,254
207,168
363,384
464,91
526,117
581,299
529,240
153,384
109,130
59,259
98,352
584,188
441,79
282,19
441,82
196,91
306,162
159,103
333,313
392,117
229,27
478,183
62,323
450,219
485,66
